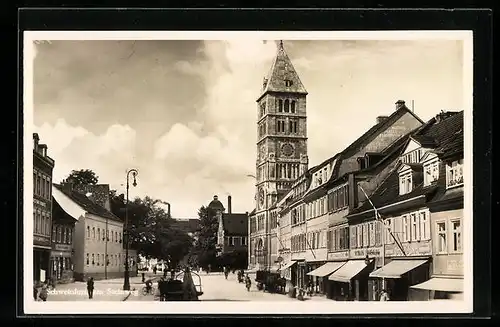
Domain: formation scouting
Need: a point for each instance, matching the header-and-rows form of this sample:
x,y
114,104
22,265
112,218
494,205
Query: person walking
x,y
154,270
384,296
226,271
90,287
248,283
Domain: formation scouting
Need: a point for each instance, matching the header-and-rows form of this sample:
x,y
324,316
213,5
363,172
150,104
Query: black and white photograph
x,y
248,172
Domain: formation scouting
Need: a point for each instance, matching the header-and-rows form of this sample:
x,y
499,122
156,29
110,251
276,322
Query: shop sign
x,y
362,253
455,266
41,240
62,247
410,249
341,255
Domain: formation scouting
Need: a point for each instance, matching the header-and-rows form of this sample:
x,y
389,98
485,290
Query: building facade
x,y
61,257
43,166
415,245
98,236
281,153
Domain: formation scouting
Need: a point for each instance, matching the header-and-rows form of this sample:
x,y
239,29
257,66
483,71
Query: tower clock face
x,y
261,197
287,150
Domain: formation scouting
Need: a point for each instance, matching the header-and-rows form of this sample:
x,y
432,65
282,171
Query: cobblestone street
x,y
216,288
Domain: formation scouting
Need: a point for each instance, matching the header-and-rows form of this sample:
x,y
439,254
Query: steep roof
x,y
235,223
87,204
281,70
447,135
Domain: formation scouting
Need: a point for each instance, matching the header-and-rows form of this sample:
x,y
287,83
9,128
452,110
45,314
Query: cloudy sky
x,y
184,113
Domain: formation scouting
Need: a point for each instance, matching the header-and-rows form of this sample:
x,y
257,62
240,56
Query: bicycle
x,y
146,292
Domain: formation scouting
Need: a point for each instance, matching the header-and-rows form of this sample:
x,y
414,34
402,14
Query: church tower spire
x,y
282,131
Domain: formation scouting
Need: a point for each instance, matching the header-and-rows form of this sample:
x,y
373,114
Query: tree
x,y
205,246
83,177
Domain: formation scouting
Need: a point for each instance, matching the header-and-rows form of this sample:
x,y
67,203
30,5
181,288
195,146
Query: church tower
x,y
281,132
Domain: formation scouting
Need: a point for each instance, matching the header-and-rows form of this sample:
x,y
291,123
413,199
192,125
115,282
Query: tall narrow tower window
x,y
280,105
292,106
288,83
287,106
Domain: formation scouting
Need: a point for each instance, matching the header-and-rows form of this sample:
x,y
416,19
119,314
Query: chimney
x,y
43,149
36,139
229,204
443,115
67,186
380,119
400,104
99,194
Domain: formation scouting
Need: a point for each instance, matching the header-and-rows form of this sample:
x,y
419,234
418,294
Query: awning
x,y
326,269
288,265
348,271
70,207
442,284
397,268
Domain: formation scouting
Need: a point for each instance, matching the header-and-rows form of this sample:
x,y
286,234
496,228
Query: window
x,y
280,105
406,229
54,234
34,182
38,184
70,236
405,183
287,105
454,176
359,236
425,233
64,238
365,235
288,83
388,229
441,230
281,126
47,225
231,240
120,237
107,235
112,236
353,238
378,233
292,107
415,227
93,259
99,234
431,172
93,232
59,234
244,240
372,234
457,236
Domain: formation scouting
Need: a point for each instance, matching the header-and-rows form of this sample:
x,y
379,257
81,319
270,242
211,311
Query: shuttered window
x,y
378,233
353,236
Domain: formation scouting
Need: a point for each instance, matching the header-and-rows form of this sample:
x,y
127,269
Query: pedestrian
x,y
209,269
44,292
248,283
154,270
384,296
90,287
226,271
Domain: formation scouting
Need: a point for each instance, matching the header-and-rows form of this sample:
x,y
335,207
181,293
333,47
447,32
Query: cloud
x,y
73,147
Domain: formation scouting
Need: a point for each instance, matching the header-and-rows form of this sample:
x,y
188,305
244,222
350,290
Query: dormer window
x,y
454,173
431,171
405,182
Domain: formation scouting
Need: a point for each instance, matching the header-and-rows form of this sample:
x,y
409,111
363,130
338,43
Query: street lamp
x,y
126,281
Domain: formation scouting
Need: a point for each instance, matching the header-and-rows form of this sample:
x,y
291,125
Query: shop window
x,y
54,234
457,236
59,234
441,242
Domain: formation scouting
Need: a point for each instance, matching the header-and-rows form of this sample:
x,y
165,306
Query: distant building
x,y
189,226
232,234
43,166
98,236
